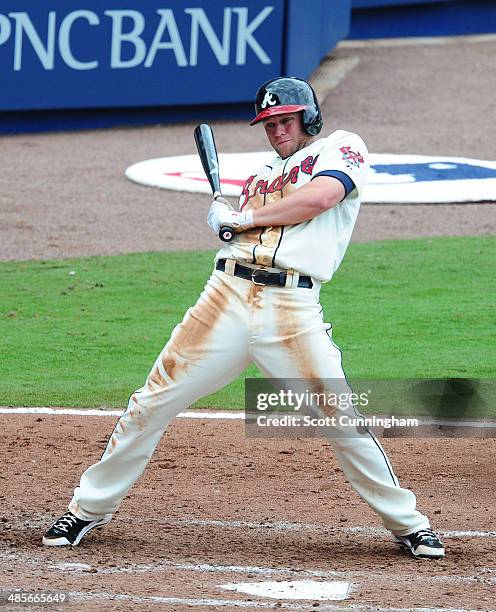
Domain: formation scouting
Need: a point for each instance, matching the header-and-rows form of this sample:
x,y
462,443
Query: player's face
x,y
286,133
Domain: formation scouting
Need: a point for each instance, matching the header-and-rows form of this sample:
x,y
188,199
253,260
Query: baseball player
x,y
261,305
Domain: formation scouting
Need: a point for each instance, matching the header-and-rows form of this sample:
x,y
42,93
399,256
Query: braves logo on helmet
x,y
268,100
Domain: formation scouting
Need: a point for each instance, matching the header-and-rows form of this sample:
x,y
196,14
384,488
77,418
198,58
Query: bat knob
x,y
226,234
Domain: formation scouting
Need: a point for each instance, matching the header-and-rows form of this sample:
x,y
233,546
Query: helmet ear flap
x,y
312,122
312,118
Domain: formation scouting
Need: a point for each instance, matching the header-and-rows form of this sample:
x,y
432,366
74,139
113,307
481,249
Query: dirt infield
x,y
215,508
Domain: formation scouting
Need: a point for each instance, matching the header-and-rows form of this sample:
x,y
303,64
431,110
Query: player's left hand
x,y
221,214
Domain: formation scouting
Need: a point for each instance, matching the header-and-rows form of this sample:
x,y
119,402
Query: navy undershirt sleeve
x,y
343,178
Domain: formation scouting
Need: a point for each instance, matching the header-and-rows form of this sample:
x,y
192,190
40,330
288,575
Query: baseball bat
x,y
205,143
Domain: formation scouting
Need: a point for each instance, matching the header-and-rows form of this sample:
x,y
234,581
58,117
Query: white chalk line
x,y
42,521
251,570
164,566
289,526
414,41
225,415
213,568
191,414
243,603
177,601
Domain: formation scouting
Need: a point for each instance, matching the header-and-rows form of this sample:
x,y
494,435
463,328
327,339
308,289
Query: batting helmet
x,y
289,95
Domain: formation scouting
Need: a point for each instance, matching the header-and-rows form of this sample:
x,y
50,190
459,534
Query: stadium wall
x,y
109,62
398,18
114,62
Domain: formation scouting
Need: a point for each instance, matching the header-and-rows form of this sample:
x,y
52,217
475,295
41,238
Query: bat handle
x,y
226,233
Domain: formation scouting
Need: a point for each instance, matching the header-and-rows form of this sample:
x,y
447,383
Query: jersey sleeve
x,y
345,158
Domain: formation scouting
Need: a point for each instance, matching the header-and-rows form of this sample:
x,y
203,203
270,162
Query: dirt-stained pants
x,y
234,323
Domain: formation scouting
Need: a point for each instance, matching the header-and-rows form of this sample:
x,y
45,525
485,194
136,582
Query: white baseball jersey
x,y
316,247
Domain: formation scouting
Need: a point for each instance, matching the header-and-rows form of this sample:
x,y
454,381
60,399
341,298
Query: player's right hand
x,y
218,206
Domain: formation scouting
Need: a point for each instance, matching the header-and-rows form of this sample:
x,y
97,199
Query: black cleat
x,y
69,530
423,544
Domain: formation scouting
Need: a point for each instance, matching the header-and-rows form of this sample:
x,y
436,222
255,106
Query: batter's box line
x,y
41,521
473,424
204,602
367,532
163,566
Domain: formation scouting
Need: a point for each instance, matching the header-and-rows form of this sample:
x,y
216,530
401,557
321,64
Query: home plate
x,y
296,589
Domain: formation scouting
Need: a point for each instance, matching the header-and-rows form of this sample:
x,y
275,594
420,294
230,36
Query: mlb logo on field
x,y
392,179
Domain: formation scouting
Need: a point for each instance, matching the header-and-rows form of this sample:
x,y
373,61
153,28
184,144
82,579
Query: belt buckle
x,y
254,275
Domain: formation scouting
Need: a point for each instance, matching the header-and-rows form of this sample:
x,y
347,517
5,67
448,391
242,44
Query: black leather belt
x,y
263,277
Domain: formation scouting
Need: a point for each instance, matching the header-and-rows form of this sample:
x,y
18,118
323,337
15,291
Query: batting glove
x,y
222,214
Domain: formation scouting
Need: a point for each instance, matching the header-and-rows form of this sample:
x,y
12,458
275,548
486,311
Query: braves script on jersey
x,y
316,247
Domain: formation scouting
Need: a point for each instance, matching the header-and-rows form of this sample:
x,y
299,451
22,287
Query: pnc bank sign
x,y
127,28
150,52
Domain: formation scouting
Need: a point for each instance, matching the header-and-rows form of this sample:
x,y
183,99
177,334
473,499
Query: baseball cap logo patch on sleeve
x,y
352,159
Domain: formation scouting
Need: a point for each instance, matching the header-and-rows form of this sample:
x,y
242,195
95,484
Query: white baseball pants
x,y
236,322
